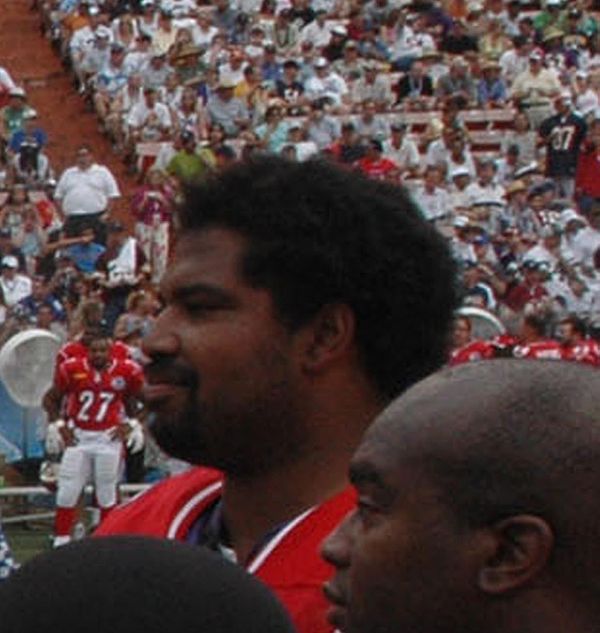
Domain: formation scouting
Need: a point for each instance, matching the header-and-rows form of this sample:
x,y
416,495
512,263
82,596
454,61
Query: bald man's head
x,y
505,436
480,485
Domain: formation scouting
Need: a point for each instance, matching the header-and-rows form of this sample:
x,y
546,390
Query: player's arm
x,y
58,433
132,430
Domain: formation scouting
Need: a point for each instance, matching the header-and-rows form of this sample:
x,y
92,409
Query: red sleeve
x,y
64,372
135,377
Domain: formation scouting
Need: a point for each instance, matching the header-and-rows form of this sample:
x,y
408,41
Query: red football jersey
x,y
473,351
290,563
95,398
76,349
586,351
548,349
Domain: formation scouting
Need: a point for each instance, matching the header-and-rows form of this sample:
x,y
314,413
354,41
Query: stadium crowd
x,y
487,112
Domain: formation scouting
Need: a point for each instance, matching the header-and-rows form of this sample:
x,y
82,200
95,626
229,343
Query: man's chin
x,y
176,441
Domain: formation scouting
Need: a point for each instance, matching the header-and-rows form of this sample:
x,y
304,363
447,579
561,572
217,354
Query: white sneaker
x,y
59,541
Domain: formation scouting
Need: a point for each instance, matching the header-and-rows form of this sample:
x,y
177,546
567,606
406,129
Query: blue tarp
x,y
19,429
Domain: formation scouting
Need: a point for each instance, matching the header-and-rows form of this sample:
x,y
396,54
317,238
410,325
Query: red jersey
x,y
518,296
547,349
76,349
95,399
473,351
586,351
378,169
289,563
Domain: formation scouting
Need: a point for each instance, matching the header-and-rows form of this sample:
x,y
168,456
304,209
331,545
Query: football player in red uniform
x,y
99,397
288,301
78,347
534,341
466,349
576,346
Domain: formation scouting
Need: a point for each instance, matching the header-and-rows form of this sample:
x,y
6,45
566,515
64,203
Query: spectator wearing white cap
x,y
326,84
460,178
580,242
84,38
486,196
147,21
461,241
110,80
586,98
12,116
14,285
226,109
534,89
334,49
96,57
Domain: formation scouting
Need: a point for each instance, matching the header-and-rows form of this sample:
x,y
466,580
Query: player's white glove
x,y
55,443
135,439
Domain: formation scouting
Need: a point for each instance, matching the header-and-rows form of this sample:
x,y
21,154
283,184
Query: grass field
x,y
28,540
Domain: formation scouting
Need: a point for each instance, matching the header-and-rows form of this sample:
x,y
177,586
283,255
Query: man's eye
x,y
198,309
366,510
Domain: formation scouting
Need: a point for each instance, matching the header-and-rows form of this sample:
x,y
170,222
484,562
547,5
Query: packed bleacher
x,y
485,111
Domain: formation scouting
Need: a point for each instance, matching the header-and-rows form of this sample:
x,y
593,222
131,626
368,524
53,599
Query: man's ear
x,y
522,546
329,335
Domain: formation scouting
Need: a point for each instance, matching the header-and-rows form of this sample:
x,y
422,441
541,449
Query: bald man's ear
x,y
522,546
329,335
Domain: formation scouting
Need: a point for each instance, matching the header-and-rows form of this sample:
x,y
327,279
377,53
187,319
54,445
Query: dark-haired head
x,y
318,235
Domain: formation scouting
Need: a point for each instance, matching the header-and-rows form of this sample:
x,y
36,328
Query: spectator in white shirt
x,y
586,98
326,84
318,32
402,150
204,31
15,286
148,121
85,193
431,197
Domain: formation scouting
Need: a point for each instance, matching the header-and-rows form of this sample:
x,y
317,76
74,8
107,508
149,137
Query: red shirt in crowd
x,y
587,176
378,169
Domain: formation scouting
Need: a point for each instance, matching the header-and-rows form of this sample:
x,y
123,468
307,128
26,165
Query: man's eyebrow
x,y
214,293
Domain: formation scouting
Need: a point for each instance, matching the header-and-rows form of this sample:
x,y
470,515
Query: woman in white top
x,y
189,114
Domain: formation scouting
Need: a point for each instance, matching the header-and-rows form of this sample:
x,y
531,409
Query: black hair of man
x,y
123,584
538,323
320,235
507,437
